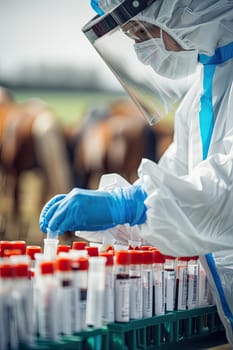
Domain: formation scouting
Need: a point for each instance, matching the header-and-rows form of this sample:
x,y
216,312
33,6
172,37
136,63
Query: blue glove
x,y
91,210
95,6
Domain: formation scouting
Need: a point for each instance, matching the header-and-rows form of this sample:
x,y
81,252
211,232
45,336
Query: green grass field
x,y
68,106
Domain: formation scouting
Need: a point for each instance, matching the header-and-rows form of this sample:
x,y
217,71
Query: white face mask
x,y
170,64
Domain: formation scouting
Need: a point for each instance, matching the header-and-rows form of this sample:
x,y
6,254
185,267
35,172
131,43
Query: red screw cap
x,y
47,267
64,264
92,251
79,245
122,257
31,250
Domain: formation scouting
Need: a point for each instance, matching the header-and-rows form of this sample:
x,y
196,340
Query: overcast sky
x,y
47,31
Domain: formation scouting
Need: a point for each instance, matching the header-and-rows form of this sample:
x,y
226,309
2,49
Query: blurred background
x,y
64,118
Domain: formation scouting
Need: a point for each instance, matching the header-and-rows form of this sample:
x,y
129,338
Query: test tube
x,y
50,244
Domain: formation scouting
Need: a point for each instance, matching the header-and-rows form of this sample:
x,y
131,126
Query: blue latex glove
x,y
91,210
95,6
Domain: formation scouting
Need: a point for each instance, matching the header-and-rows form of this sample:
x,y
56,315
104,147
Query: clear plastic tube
x,y
50,244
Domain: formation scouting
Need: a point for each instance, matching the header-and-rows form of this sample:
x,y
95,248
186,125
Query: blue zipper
x,y
206,118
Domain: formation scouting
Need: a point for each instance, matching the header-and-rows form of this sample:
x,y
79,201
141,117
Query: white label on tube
x,y
182,288
135,297
12,319
108,308
83,308
21,317
47,315
159,292
95,291
122,290
95,300
170,287
24,307
76,320
147,293
192,286
66,307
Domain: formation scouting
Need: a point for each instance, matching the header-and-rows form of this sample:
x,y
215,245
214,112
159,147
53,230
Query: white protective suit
x,y
190,191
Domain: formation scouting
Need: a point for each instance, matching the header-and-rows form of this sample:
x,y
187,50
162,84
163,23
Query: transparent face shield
x,y
136,53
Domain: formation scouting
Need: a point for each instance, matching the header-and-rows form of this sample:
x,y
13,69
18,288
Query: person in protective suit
x,y
182,205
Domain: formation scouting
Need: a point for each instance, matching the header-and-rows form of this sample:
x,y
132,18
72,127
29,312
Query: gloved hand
x,y
92,210
95,6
